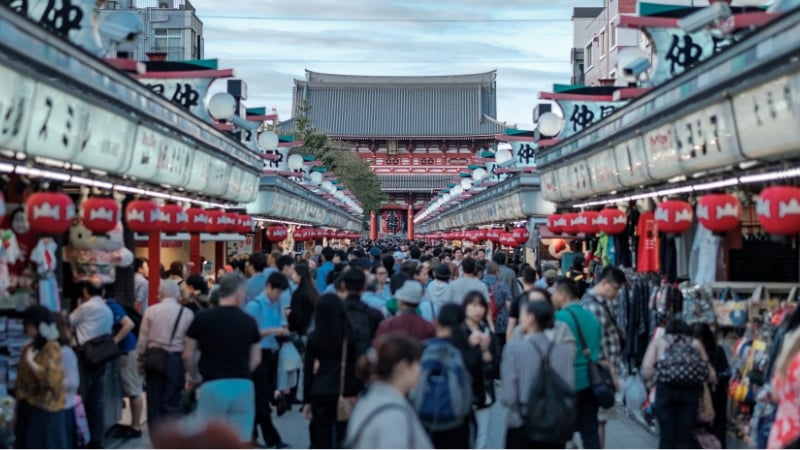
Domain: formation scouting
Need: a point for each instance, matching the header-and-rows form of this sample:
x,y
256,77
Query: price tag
x,y
146,150
706,139
108,142
662,153
58,124
631,162
16,96
767,118
603,171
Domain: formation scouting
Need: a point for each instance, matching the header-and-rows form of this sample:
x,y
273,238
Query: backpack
x,y
363,327
681,365
443,398
549,415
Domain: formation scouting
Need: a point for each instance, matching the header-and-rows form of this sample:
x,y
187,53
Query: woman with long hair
x,y
719,390
40,388
383,418
323,377
481,337
303,300
72,379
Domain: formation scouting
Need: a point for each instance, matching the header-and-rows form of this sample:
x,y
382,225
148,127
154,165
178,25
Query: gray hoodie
x,y
438,293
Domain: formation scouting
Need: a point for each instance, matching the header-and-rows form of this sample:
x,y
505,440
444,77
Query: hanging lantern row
x,y
313,234
144,216
517,236
777,208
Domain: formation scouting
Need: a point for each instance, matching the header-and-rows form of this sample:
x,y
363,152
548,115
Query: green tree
x,y
349,168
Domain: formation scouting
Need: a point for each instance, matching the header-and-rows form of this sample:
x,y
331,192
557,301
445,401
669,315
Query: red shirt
x,y
647,259
407,323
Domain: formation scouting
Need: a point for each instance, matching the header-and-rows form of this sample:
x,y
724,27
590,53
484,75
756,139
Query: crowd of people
x,y
384,345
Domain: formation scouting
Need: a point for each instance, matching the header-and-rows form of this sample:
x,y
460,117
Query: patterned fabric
x,y
610,345
502,294
681,364
46,392
786,428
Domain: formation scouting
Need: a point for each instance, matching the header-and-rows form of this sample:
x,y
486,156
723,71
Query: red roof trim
x,y
508,138
264,117
290,144
627,93
742,20
547,142
222,126
127,65
271,156
222,73
575,97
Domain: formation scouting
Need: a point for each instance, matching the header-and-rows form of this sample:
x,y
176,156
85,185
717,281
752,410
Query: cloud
x,y
269,43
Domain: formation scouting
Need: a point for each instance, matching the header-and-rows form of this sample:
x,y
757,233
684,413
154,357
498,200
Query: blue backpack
x,y
443,398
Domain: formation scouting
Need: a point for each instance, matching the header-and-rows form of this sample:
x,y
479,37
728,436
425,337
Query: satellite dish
x,y
479,174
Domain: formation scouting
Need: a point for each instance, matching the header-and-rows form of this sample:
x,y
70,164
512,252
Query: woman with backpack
x,y
529,364
678,366
383,418
331,348
483,339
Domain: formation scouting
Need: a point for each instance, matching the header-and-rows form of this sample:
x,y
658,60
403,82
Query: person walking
x,y
329,372
141,285
365,320
40,389
482,338
522,363
92,319
407,321
467,283
439,290
163,330
528,281
583,324
72,380
678,366
500,294
268,313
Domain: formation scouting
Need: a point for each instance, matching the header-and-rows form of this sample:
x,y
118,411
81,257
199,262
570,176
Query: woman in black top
x,y
322,372
719,391
303,300
450,325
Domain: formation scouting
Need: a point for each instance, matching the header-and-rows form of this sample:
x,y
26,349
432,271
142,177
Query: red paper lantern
x,y
778,210
520,235
173,218
508,240
143,216
493,235
216,221
588,223
49,212
571,223
100,214
330,233
341,235
301,235
198,220
246,224
719,213
229,222
277,233
674,216
480,235
611,221
556,223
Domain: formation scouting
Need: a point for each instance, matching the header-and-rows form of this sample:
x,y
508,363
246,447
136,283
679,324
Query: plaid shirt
x,y
610,345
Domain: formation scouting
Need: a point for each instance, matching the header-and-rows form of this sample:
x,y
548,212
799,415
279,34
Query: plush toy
x,y
96,254
44,256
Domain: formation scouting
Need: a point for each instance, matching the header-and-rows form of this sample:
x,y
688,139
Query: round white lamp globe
x,y
550,124
295,162
268,141
222,106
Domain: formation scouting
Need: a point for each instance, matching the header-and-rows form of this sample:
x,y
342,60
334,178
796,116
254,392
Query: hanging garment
x,y
668,258
44,255
703,261
647,260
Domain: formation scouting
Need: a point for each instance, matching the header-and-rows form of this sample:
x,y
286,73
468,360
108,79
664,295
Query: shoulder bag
x,y
99,350
155,358
344,405
600,379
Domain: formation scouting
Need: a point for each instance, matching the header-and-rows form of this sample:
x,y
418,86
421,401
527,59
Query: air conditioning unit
x,y
165,4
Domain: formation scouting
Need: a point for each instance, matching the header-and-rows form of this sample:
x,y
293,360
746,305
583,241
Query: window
x,y
169,41
589,55
613,36
602,44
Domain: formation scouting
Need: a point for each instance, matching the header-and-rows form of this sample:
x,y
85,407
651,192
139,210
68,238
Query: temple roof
x,y
413,182
396,107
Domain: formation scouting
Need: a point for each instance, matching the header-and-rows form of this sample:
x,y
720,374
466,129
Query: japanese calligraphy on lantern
x,y
200,173
174,163
147,148
218,175
187,93
662,153
579,115
706,139
108,141
58,124
16,98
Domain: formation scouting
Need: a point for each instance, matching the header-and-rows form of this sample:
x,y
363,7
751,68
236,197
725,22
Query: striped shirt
x,y
522,363
610,342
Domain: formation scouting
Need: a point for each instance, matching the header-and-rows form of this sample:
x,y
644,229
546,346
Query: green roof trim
x,y
451,185
286,138
261,111
211,64
308,158
560,88
487,154
465,175
474,166
321,169
335,181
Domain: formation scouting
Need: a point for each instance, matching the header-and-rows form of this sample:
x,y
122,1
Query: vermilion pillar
x,y
373,225
194,253
154,261
410,219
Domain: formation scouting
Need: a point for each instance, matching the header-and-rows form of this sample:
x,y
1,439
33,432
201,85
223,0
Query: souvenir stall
x,y
696,181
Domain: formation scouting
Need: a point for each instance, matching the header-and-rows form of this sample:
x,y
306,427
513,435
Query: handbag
x,y
600,379
99,350
344,406
155,358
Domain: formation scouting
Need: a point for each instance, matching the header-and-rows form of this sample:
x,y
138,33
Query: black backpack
x,y
550,413
363,326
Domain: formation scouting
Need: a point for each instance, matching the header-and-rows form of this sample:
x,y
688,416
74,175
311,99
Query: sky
x,y
269,43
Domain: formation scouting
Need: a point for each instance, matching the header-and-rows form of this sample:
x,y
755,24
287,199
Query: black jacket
x,y
326,381
365,321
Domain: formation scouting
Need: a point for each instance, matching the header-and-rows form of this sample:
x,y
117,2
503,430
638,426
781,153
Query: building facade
x,y
597,42
416,133
172,30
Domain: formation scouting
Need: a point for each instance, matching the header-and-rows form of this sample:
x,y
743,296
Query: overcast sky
x,y
271,42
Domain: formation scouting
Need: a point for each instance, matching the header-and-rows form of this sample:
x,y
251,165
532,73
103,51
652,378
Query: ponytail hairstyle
x,y
391,349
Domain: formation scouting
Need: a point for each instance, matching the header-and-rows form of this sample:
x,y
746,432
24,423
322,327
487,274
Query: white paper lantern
x,y
503,156
295,162
268,140
222,106
550,124
479,174
315,177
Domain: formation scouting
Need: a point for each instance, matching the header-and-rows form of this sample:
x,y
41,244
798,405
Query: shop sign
x,y
631,162
16,97
662,152
174,163
603,171
218,176
524,153
187,93
58,124
676,51
706,139
70,19
582,114
108,142
200,173
767,117
491,169
147,148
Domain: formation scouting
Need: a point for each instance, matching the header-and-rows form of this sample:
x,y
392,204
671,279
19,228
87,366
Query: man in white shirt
x,y
92,319
141,285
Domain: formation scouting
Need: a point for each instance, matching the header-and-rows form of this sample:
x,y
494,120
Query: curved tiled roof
x,y
413,182
374,106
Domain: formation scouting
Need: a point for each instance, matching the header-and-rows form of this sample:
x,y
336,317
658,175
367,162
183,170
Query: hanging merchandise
x,y
647,252
698,306
96,254
100,214
703,260
778,210
611,221
673,216
44,256
719,213
143,216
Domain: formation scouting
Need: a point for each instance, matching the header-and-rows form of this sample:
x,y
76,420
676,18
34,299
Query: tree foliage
x,y
349,168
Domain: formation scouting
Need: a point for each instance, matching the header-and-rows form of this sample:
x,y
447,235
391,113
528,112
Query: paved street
x,y
622,433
